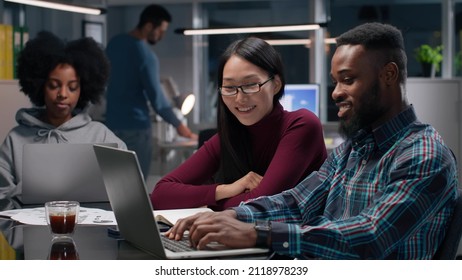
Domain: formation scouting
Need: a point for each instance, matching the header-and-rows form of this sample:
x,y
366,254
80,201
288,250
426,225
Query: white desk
x,y
168,151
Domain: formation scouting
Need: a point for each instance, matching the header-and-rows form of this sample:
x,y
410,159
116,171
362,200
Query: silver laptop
x,y
134,213
61,172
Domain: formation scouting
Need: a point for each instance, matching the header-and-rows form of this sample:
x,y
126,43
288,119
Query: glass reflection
x,y
63,249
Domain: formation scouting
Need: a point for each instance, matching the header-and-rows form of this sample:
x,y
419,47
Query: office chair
x,y
450,244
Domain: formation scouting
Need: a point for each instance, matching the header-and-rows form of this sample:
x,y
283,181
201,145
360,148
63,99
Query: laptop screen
x,y
67,171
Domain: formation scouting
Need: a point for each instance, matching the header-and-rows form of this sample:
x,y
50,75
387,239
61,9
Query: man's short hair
x,y
154,14
384,38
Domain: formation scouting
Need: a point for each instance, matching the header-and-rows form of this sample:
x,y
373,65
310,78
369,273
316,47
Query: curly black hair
x,y
46,51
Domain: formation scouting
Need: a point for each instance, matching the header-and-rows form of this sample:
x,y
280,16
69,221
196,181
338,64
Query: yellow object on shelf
x,y
2,51
9,62
12,40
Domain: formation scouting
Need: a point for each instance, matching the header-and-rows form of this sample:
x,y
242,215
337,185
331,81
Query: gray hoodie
x,y
30,129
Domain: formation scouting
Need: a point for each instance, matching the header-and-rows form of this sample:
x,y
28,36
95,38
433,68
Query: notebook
x,y
61,172
133,211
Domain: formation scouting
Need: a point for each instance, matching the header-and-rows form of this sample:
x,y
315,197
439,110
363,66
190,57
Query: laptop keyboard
x,y
176,245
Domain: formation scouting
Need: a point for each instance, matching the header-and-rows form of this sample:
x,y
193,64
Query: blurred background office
x,y
190,60
432,30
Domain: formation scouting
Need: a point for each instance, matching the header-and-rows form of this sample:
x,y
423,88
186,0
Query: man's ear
x,y
390,73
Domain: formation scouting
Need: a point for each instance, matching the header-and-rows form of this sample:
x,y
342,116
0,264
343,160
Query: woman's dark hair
x,y
46,51
236,151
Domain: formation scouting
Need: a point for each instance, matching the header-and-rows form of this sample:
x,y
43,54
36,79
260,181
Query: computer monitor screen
x,y
299,96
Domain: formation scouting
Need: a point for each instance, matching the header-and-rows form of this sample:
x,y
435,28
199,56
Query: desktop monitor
x,y
298,96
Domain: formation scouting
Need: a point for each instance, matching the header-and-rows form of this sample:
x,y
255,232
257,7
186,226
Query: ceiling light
x,y
289,42
258,29
60,6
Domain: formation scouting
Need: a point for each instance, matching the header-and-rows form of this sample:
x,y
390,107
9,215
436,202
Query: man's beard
x,y
370,109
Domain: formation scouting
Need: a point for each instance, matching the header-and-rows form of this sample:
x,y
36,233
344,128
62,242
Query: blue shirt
x,y
386,194
134,80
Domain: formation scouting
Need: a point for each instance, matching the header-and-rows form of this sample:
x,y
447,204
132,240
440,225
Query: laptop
x,y
61,172
133,211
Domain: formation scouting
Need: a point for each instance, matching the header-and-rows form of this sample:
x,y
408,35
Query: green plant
x,y
458,61
426,54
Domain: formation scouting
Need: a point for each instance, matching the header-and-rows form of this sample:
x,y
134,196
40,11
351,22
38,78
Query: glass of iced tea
x,y
62,216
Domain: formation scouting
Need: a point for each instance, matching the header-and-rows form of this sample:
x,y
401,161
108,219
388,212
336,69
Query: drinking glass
x,y
62,217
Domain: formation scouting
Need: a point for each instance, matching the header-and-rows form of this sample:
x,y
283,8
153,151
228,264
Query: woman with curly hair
x,y
61,80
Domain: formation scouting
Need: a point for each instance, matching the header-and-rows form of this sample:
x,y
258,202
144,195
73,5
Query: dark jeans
x,y
139,141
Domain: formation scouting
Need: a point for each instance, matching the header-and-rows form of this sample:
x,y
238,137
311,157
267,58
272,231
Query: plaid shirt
x,y
385,194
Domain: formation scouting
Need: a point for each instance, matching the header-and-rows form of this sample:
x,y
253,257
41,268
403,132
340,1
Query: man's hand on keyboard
x,y
221,227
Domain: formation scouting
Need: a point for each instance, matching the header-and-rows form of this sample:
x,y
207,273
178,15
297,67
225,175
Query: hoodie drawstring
x,y
49,132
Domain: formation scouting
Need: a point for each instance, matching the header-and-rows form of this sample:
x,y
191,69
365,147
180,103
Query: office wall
x,y
66,25
11,100
438,102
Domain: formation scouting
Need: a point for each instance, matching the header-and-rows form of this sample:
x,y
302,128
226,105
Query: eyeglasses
x,y
246,89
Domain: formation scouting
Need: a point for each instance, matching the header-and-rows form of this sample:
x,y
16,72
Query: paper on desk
x,y
95,216
12,212
170,217
87,216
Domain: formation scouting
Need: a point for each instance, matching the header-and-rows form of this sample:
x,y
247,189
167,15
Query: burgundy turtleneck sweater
x,y
287,146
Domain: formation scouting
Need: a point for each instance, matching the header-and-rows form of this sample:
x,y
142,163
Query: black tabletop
x,y
32,242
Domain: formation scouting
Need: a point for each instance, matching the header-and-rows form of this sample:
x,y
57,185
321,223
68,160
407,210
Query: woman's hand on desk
x,y
245,184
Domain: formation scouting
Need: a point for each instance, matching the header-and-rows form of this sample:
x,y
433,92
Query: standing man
x,y
135,80
387,192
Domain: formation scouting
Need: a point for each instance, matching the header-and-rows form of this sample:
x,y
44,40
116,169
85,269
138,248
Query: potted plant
x,y
430,58
458,62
